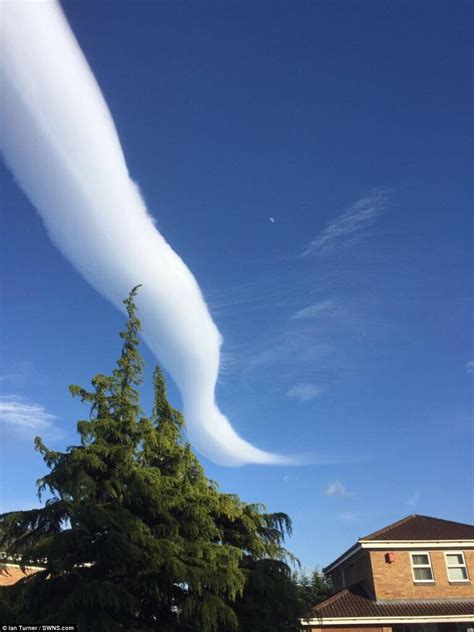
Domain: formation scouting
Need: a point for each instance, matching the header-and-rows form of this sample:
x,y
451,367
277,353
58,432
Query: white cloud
x,y
60,142
24,415
470,367
314,310
336,489
414,499
353,221
304,392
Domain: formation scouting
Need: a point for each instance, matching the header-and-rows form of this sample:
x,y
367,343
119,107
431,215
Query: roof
x,y
12,573
412,529
416,527
355,602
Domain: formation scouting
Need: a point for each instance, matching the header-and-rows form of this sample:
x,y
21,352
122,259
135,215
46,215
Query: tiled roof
x,y
354,602
417,527
413,528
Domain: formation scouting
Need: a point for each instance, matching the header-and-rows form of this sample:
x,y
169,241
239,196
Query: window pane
x,y
454,559
421,558
423,573
456,574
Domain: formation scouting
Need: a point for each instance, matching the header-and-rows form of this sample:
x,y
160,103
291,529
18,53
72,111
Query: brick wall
x,y
349,628
356,569
395,581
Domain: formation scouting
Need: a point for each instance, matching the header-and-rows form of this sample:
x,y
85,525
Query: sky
x,y
311,165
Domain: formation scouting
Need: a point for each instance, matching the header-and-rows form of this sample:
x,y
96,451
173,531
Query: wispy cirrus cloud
x,y
290,349
15,373
314,310
470,367
351,223
304,391
23,415
336,488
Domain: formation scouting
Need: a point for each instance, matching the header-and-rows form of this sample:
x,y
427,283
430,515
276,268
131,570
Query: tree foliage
x,y
311,589
133,535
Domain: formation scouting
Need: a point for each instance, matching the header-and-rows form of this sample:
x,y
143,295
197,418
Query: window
x,y
456,566
421,566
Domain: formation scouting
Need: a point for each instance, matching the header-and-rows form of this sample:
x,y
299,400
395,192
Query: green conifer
x,y
134,536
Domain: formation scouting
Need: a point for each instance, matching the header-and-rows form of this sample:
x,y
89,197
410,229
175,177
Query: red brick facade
x,y
395,580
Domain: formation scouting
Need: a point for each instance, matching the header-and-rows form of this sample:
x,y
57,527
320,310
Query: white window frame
x,y
429,565
463,565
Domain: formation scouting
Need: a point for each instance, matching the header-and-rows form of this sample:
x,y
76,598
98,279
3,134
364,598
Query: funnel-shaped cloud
x,y
59,140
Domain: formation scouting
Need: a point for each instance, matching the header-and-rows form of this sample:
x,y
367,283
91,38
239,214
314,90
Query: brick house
x,y
415,575
12,573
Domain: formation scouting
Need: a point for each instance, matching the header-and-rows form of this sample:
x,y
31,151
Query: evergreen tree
x,y
311,590
270,600
134,536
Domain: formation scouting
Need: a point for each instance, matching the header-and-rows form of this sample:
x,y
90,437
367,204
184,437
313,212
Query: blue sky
x,y
311,164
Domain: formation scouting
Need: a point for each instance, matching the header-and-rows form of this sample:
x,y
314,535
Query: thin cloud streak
x,y
304,392
23,415
352,222
312,311
59,140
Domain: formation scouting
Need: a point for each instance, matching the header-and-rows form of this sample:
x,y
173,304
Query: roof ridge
x,y
349,590
390,526
331,599
465,524
411,517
